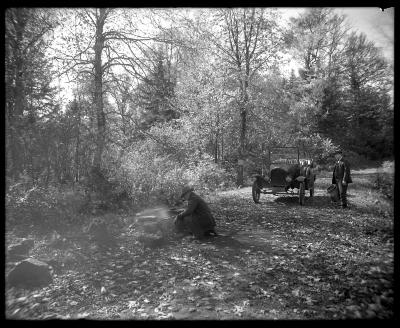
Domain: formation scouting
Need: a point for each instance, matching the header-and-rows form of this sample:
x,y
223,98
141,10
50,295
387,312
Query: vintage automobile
x,y
284,170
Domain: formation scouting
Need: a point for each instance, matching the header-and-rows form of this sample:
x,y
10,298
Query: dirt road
x,y
274,260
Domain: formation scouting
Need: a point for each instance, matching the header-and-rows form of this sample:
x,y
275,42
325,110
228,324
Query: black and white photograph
x,y
199,163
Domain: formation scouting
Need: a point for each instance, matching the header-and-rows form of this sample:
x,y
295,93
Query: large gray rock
x,y
30,273
21,249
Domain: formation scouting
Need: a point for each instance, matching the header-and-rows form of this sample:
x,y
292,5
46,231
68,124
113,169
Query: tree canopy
x,y
189,86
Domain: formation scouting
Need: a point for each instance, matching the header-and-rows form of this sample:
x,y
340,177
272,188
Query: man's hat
x,y
185,190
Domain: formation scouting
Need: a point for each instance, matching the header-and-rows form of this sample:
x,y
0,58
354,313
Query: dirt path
x,y
274,260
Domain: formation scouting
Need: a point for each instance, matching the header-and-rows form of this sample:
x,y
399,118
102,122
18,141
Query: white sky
x,y
377,25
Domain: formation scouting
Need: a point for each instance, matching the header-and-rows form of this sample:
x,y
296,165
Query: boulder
x,y
30,273
21,249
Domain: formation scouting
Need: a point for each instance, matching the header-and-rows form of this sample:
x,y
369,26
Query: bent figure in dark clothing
x,y
197,218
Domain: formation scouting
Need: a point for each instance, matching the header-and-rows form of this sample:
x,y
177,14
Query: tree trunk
x,y
19,99
98,88
96,176
216,149
78,143
239,181
243,128
222,146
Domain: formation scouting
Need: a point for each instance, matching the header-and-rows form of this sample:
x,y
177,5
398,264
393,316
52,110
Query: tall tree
x,y
319,36
248,40
101,42
28,75
99,19
368,80
157,92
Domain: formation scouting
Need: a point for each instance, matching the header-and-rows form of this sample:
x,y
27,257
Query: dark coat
x,y
199,211
341,172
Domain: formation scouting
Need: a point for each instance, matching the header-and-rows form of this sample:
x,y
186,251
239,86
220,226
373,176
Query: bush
x,y
149,177
384,181
45,207
211,176
358,161
320,148
388,166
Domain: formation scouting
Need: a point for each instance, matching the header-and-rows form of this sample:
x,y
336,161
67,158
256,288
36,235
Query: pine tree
x,y
157,93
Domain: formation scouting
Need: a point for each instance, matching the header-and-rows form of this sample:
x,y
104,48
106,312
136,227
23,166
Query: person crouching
x,y
197,218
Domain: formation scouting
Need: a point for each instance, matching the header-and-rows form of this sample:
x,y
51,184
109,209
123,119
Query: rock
x,y
30,273
21,249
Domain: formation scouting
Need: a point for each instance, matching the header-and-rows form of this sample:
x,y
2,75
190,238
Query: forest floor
x,y
273,260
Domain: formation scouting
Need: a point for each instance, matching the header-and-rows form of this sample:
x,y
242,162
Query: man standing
x,y
197,218
341,176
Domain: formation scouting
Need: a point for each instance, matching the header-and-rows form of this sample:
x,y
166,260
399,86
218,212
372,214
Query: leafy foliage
x,y
156,108
385,180
156,93
148,175
44,208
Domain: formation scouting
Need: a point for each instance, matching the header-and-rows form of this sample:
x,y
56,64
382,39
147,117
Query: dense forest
x,y
162,97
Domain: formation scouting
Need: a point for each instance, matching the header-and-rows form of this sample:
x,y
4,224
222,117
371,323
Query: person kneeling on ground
x,y
197,218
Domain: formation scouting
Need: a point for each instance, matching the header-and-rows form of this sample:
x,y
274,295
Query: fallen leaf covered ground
x,y
273,260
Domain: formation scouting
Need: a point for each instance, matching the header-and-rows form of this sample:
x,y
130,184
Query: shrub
x,y
46,207
384,181
320,148
211,176
388,166
148,176
357,161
